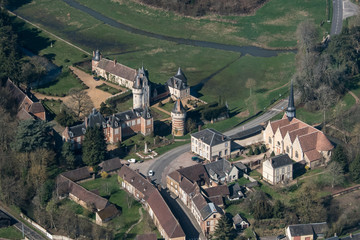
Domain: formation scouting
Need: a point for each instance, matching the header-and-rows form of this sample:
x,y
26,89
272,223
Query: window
x,y
296,154
226,152
138,121
287,149
208,223
133,122
195,141
278,143
226,144
78,139
269,139
116,131
283,170
207,148
288,168
214,216
129,124
220,154
148,122
277,171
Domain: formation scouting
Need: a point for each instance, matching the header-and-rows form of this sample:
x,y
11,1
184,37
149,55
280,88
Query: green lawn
x,y
164,149
105,186
10,233
157,114
107,88
242,181
273,25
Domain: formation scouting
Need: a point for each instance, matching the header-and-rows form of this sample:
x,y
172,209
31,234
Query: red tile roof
x,y
108,213
278,123
313,155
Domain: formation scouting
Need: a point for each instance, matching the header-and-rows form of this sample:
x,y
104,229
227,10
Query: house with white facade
x,y
210,144
278,169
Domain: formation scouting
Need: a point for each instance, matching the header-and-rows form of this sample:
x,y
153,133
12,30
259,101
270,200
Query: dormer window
x,y
104,125
71,134
127,117
83,130
116,124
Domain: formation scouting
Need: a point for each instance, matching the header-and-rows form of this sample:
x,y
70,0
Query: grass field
x,y
107,88
273,25
10,233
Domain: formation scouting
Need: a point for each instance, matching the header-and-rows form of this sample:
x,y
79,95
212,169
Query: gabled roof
x,y
78,174
77,130
108,212
221,190
179,81
211,137
209,209
301,131
278,123
117,69
95,119
111,164
313,155
289,127
187,186
280,161
237,219
234,190
220,168
240,166
24,115
37,107
301,230
195,173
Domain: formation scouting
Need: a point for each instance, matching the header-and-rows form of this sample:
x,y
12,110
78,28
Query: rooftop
x,y
210,137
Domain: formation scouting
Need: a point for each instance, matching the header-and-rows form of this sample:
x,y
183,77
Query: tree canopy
x,y
224,229
94,146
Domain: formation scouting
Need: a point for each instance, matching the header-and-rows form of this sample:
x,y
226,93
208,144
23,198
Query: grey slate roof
x,y
301,230
117,69
178,107
77,130
237,219
179,81
241,166
248,132
220,168
209,209
111,164
95,119
211,137
280,161
234,190
78,174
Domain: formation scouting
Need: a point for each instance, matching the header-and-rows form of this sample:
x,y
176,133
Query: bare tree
x,y
336,173
326,98
307,35
81,103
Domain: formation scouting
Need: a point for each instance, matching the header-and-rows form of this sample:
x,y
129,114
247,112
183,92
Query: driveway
x,y
337,18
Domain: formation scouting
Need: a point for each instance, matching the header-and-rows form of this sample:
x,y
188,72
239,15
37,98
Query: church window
x,y
278,143
270,140
287,149
296,154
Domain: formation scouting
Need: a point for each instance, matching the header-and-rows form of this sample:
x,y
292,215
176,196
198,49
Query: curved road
x,y
251,50
164,160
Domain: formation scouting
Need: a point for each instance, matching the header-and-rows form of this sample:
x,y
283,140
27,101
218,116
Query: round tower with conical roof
x,y
96,59
138,92
178,116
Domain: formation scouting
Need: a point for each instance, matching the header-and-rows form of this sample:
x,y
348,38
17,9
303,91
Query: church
x,y
296,138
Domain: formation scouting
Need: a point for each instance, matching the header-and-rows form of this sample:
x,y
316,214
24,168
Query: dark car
x,y
281,236
194,158
96,78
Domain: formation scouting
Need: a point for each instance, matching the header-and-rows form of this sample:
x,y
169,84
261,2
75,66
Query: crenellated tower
x,y
178,116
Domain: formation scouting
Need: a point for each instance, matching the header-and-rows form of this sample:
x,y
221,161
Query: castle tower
x,y
138,93
96,59
291,111
178,116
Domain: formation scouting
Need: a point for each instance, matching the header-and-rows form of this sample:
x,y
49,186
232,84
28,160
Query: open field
x,y
273,25
10,233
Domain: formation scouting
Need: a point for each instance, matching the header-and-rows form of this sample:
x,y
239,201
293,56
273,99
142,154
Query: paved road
x,y
251,50
29,233
164,160
336,24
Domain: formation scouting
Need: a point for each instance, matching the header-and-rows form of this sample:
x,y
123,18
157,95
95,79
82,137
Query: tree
x,y
105,110
260,206
257,150
68,155
251,152
33,134
190,125
336,173
224,229
278,210
339,156
81,103
7,126
94,146
354,169
250,83
306,35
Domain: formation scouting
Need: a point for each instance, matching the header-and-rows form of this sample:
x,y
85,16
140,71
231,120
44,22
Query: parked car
x,y
281,236
151,173
194,158
96,78
140,161
132,160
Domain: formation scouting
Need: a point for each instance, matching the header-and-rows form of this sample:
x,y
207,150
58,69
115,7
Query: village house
x,y
236,192
299,140
153,202
27,108
210,144
309,231
192,186
178,87
278,169
221,171
240,223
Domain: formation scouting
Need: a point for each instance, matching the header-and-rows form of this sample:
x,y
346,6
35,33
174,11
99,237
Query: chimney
x,y
222,138
350,235
114,62
93,53
181,167
86,122
335,235
199,128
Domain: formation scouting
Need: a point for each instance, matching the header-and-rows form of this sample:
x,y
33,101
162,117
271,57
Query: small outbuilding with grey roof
x,y
309,231
210,144
278,169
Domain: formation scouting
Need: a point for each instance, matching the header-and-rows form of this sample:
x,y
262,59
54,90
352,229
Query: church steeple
x,y
291,111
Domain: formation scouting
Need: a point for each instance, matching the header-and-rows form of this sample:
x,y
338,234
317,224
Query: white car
x,y
132,160
151,173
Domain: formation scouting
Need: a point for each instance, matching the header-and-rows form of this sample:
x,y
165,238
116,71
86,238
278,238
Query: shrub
x,y
171,100
251,152
272,154
263,148
257,150
160,104
104,175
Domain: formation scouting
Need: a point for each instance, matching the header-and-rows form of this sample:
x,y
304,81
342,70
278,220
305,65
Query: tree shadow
x,y
197,88
30,38
14,4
